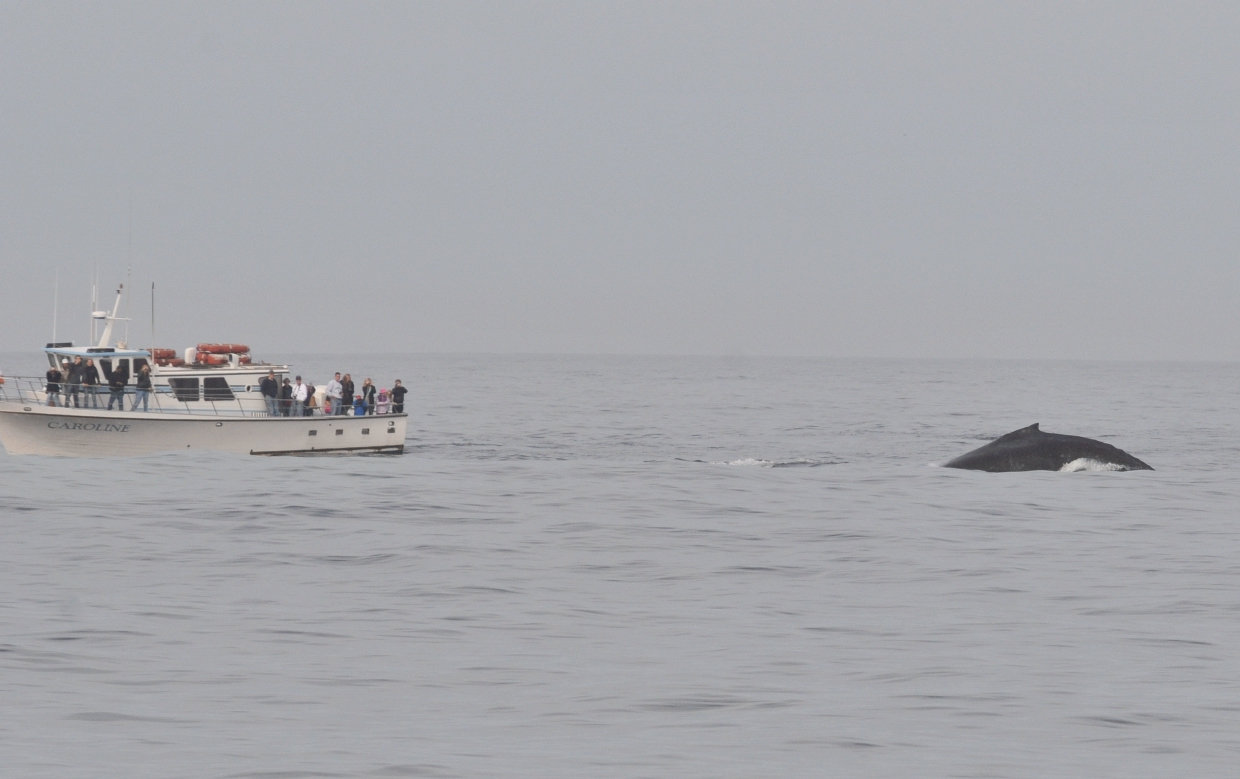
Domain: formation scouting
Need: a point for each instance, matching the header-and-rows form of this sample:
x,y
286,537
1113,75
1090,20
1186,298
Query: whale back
x,y
1023,433
1030,449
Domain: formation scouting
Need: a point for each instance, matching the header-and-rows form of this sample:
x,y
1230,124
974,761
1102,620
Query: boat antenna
x,y
94,302
129,269
128,293
55,304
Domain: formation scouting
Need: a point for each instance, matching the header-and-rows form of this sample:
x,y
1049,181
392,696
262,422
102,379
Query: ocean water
x,y
632,567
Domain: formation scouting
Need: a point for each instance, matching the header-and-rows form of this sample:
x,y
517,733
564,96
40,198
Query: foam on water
x,y
797,462
1090,464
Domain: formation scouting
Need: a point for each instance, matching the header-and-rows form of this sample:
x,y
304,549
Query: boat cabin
x,y
209,377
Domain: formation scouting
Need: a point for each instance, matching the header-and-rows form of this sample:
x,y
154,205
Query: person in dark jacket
x,y
74,376
117,379
346,394
143,392
398,398
270,388
368,395
286,397
90,383
54,377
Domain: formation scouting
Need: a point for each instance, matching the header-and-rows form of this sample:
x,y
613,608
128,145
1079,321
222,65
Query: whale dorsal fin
x,y
1024,431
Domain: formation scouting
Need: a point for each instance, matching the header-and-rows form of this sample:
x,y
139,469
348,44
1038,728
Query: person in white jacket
x,y
335,393
299,398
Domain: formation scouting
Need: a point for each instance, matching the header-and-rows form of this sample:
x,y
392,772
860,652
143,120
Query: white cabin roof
x,y
95,352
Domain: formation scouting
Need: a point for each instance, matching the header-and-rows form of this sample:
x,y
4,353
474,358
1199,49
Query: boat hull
x,y
71,432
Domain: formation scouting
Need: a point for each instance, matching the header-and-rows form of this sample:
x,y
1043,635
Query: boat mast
x,y
112,319
55,304
94,302
128,295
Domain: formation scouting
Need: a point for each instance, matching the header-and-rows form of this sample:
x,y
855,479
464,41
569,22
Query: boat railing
x,y
159,399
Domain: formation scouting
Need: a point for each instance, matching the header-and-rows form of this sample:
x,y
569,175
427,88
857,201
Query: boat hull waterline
x,y
72,432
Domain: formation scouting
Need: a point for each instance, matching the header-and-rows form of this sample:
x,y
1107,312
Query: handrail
x,y
160,399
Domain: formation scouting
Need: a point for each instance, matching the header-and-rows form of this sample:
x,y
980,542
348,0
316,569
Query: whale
x,y
1030,449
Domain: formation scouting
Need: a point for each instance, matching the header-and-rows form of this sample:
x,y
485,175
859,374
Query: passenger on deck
x,y
270,388
368,395
312,402
143,392
117,379
54,377
286,397
90,380
383,401
335,396
359,407
74,377
346,394
398,398
299,399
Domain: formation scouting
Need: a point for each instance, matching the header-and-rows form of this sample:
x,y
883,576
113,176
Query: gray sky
x,y
932,179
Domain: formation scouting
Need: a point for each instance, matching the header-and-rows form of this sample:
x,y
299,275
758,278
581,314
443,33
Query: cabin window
x,y
184,389
105,366
216,388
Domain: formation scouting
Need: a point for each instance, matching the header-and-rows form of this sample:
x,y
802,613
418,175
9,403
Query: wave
x,y
800,462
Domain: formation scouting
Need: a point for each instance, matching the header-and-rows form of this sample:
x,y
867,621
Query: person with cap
x,y
54,377
398,397
299,399
270,388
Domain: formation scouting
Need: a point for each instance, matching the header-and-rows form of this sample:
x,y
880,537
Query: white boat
x,y
208,400
28,428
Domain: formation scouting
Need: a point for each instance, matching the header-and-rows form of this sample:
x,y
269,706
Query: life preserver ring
x,y
223,348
